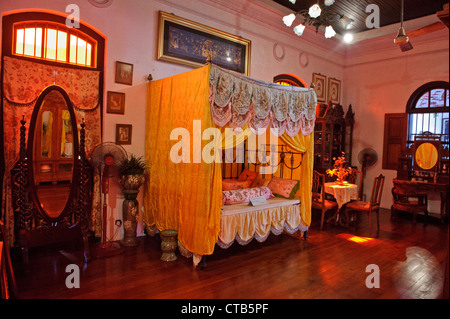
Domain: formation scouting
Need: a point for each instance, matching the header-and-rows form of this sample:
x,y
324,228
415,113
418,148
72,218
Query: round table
x,y
343,193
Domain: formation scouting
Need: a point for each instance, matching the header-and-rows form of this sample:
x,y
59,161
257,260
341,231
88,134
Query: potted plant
x,y
131,179
132,172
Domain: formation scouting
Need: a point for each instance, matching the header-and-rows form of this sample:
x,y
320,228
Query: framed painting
x,y
334,91
123,134
124,73
189,43
115,102
320,83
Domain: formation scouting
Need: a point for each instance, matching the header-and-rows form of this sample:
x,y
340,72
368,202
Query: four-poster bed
x,y
183,190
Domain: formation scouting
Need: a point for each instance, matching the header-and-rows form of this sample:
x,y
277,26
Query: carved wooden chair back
x,y
353,179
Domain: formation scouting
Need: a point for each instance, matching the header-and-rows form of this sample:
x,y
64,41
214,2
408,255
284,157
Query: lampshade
x,y
289,19
329,32
346,21
292,1
401,38
298,30
314,11
328,2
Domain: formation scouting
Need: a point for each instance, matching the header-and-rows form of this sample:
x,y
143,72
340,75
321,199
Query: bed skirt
x,y
243,223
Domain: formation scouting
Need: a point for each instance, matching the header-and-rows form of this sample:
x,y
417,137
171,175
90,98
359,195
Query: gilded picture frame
x,y
190,43
320,86
334,91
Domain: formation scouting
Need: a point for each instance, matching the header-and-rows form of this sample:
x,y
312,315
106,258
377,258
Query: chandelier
x,y
317,17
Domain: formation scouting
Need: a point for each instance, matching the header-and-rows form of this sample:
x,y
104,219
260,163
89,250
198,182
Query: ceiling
x,y
356,10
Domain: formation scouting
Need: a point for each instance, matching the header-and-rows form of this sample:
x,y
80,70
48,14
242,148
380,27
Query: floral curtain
x,y
23,81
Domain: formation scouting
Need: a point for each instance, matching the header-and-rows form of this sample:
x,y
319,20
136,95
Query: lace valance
x,y
236,100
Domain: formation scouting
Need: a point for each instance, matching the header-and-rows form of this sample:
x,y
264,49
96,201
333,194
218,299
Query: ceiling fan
x,y
403,40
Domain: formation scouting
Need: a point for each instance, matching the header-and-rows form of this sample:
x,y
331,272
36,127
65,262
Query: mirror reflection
x,y
53,154
426,156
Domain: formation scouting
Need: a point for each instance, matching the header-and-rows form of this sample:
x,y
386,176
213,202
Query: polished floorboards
x,y
402,260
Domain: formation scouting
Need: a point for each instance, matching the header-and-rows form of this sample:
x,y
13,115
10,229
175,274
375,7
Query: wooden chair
x,y
368,207
353,179
408,199
318,197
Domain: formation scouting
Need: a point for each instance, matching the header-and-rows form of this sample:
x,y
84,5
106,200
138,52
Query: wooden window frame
x,y
59,27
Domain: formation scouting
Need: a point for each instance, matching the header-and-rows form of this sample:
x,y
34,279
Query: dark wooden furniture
x,y
353,179
319,201
333,134
34,224
8,285
421,187
408,198
423,168
368,207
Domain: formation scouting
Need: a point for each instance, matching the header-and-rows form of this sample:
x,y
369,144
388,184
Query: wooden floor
x,y
330,264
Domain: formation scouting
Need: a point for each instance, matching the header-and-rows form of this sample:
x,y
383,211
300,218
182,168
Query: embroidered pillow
x,y
233,184
260,181
248,175
283,187
243,195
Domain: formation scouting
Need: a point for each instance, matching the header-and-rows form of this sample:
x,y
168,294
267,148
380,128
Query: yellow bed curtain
x,y
184,196
304,144
187,196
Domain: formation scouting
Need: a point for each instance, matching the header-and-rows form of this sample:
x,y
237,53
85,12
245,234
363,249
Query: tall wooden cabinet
x,y
333,134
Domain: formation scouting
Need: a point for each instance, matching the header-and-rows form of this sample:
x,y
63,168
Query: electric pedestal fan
x,y
366,157
106,158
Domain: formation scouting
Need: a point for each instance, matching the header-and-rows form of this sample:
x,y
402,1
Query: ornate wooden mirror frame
x,y
427,145
33,226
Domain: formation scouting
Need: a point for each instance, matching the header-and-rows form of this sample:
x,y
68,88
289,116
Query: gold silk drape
x,y
186,196
304,144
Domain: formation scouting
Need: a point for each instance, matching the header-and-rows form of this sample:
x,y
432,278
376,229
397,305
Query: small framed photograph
x,y
320,83
115,102
123,134
124,73
334,91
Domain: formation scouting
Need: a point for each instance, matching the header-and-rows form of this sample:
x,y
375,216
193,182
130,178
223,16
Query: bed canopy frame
x,y
187,196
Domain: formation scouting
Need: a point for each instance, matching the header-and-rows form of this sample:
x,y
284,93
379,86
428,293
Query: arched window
x,y
54,42
289,80
427,110
44,36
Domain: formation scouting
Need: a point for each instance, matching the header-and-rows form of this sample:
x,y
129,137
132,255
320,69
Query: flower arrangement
x,y
339,170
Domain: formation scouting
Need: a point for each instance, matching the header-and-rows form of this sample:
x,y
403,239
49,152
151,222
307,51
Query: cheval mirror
x,y
52,181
